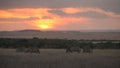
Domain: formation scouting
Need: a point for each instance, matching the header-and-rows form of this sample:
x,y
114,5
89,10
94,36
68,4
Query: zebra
x,y
73,49
28,50
35,50
32,50
87,49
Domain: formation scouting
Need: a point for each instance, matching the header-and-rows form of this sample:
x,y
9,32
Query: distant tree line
x,y
58,43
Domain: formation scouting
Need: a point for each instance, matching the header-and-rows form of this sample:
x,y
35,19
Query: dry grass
x,y
62,35
57,58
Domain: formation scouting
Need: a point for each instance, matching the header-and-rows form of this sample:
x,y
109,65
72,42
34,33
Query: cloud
x,y
111,5
46,17
17,25
58,12
58,18
83,10
72,10
19,19
49,13
38,17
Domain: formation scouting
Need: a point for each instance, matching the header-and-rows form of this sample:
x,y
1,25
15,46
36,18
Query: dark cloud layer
x,y
58,12
89,14
92,15
19,19
109,5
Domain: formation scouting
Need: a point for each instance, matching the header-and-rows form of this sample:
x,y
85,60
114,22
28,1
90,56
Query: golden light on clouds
x,y
70,10
42,19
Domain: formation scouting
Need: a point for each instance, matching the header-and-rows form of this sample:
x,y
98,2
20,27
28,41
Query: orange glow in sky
x,y
64,18
45,24
71,10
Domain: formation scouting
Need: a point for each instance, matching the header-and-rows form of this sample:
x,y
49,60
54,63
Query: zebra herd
x,y
77,49
68,49
28,50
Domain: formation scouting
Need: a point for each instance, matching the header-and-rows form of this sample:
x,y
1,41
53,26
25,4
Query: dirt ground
x,y
57,58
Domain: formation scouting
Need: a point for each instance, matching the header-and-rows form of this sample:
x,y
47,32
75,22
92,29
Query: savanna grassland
x,y
58,58
106,53
62,35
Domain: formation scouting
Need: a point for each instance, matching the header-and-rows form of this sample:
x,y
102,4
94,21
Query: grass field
x,y
63,35
57,58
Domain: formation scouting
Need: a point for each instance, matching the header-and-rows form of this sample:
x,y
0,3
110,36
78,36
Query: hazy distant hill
x,y
89,35
28,31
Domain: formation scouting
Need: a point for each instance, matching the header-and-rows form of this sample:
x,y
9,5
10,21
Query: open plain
x,y
58,58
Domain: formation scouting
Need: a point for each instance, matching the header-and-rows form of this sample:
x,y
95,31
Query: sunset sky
x,y
59,14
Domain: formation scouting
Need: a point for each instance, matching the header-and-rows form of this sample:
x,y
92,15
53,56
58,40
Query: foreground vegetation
x,y
57,58
58,43
106,53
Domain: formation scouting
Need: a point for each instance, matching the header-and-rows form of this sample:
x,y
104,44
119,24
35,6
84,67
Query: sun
x,y
45,24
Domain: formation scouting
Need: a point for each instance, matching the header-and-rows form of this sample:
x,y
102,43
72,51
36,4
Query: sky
x,y
59,15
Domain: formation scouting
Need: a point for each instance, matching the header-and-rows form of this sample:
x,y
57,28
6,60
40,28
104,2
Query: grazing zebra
x,y
73,49
35,50
87,49
32,50
28,50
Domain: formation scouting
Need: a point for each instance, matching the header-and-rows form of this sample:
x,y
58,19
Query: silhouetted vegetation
x,y
58,43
